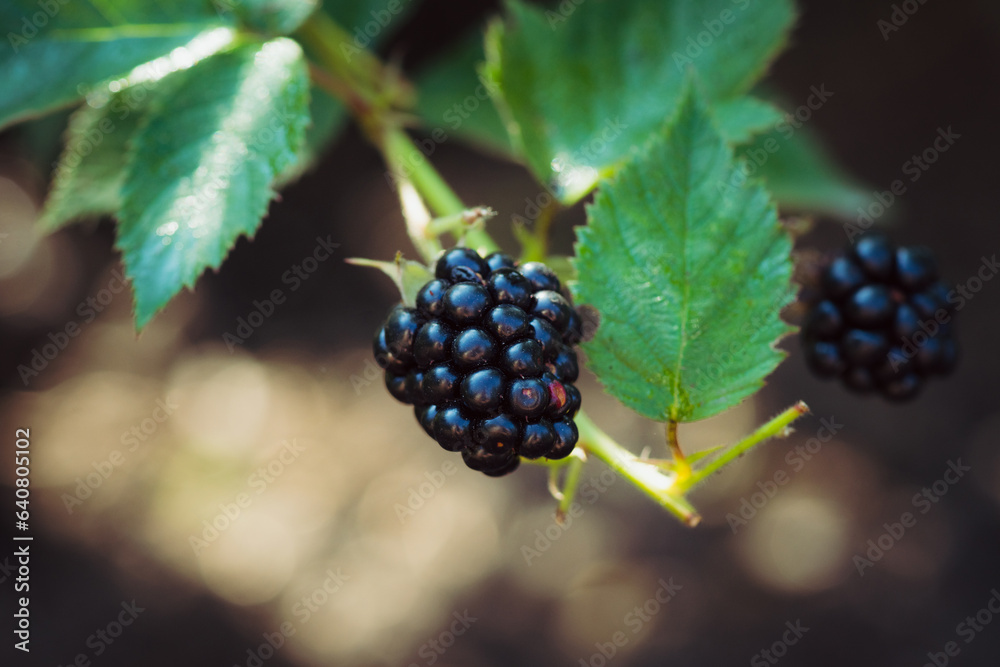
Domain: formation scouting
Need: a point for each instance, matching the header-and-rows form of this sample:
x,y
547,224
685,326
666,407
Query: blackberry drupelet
x,y
880,320
486,358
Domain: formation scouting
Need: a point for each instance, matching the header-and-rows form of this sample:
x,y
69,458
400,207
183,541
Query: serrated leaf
x,y
201,167
49,58
91,169
688,273
327,117
741,118
801,175
579,91
455,100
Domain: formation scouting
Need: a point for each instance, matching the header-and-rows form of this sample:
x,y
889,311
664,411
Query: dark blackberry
x,y
566,438
574,399
498,434
507,323
564,407
859,379
523,359
906,322
824,358
926,305
546,336
440,384
432,344
397,386
425,415
541,277
430,298
452,429
509,286
528,397
473,347
870,307
875,256
482,390
894,365
558,396
487,461
487,359
499,260
565,365
841,278
863,348
553,307
466,303
881,320
460,257
386,359
401,331
927,360
914,268
513,464
537,439
574,330
825,321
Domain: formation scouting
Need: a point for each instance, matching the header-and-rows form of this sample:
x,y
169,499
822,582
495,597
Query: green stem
x,y
535,240
659,486
575,469
407,162
361,70
369,90
418,219
773,428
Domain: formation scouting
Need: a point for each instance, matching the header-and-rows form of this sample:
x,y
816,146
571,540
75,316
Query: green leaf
x,y
271,17
741,118
327,118
801,175
202,164
91,169
54,51
688,274
578,92
455,100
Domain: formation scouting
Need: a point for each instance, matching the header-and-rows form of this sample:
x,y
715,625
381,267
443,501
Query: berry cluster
x,y
881,320
487,359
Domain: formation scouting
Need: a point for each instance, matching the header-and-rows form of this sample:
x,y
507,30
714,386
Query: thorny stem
x,y
777,427
573,472
370,90
656,484
460,224
680,463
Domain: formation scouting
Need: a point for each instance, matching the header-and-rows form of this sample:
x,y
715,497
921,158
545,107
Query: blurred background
x,y
271,504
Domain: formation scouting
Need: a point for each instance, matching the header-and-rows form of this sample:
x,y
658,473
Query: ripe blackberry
x,y
486,357
880,320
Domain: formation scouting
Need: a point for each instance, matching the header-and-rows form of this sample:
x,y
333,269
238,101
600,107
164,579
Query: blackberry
x,y
486,357
880,320
523,359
